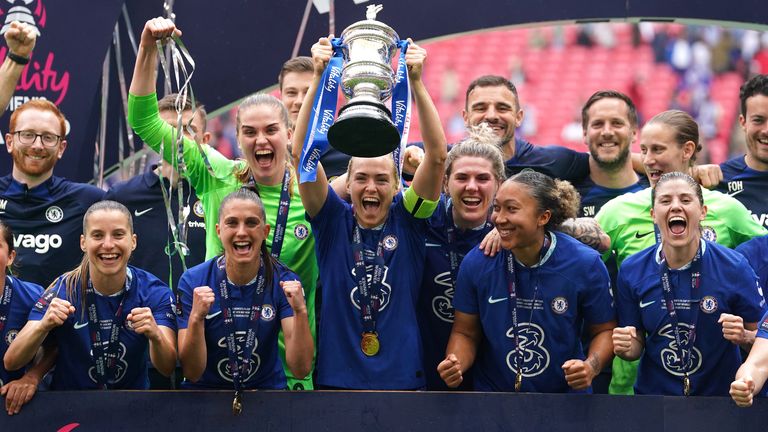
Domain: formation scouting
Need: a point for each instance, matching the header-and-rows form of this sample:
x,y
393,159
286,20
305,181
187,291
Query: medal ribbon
x,y
282,216
512,290
369,294
401,105
105,357
5,303
682,353
324,111
453,255
238,369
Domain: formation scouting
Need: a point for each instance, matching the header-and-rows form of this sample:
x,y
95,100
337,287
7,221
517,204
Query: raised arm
x,y
145,71
162,339
299,346
20,39
428,179
193,353
313,194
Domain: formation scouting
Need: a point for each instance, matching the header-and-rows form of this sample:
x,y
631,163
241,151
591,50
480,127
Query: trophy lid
x,y
371,24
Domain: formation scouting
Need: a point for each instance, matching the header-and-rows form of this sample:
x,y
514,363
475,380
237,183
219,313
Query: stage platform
x,y
187,411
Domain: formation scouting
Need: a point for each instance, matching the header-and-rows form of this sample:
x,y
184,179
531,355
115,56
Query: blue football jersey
x,y
75,366
143,197
265,370
573,291
746,185
435,305
23,297
756,253
47,222
727,285
341,362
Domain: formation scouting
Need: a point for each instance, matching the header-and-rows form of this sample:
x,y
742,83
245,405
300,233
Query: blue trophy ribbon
x,y
324,112
401,105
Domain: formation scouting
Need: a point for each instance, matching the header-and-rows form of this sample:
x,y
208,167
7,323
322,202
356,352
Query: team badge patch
x,y
708,304
709,234
198,208
390,242
10,336
559,305
54,214
267,312
301,231
764,325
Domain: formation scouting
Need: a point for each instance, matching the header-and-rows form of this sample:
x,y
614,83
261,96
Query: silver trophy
x,y
364,126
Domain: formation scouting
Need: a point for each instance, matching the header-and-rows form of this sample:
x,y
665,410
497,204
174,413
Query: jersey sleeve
x,y
282,306
41,305
597,304
762,327
756,254
746,298
144,118
466,292
626,302
571,165
609,219
162,304
329,215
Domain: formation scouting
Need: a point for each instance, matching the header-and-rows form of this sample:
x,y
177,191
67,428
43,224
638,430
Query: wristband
x,y
18,59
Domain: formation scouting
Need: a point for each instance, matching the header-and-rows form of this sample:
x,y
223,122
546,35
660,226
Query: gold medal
x,y
237,404
686,386
518,381
370,344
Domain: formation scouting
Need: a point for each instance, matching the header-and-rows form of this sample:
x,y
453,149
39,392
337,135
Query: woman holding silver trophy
x,y
370,253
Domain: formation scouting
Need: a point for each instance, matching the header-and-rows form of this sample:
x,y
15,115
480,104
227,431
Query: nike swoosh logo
x,y
638,235
78,325
646,304
139,213
492,300
734,193
432,245
209,316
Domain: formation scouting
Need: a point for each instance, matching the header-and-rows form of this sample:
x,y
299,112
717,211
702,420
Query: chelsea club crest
x,y
389,242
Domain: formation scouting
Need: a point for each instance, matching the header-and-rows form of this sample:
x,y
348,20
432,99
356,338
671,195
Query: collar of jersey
x,y
43,190
547,254
128,280
688,264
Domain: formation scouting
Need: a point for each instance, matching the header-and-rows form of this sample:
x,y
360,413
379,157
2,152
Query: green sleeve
x,y
144,118
419,207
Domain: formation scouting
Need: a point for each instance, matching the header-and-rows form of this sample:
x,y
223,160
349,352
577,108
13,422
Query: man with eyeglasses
x,y
45,211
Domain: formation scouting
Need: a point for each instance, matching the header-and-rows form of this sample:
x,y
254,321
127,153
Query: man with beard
x,y
45,211
493,100
609,122
746,177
